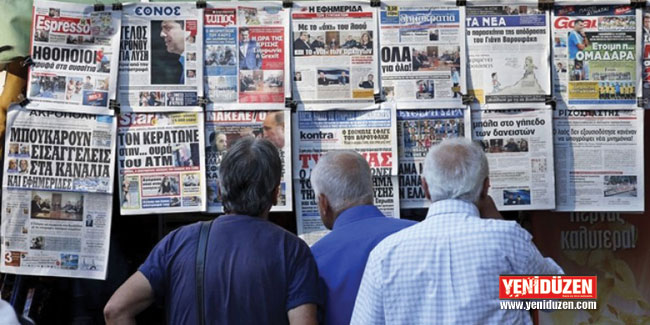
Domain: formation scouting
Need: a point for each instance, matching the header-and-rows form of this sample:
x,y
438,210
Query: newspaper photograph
x,y
59,151
519,148
161,56
422,55
371,133
74,51
599,160
224,128
53,233
646,58
596,56
161,162
508,49
334,55
417,131
246,56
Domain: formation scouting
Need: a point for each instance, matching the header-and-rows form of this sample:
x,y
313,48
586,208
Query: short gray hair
x,y
455,169
344,177
249,173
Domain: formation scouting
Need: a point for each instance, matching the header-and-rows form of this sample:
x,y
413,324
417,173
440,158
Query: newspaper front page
x,y
59,151
422,55
246,56
371,133
334,55
596,56
161,162
417,131
161,56
224,128
508,50
55,233
599,160
519,148
74,50
646,58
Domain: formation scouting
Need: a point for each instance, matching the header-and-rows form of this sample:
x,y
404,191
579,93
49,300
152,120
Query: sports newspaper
x,y
246,56
599,160
508,52
161,162
519,148
334,55
422,55
597,56
371,133
161,56
224,128
74,50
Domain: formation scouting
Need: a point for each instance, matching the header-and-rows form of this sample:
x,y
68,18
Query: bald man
x,y
273,128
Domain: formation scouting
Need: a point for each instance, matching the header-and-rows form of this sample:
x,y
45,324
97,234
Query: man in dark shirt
x,y
343,186
255,272
367,84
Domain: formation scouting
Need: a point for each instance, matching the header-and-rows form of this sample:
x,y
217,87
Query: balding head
x,y
341,180
456,168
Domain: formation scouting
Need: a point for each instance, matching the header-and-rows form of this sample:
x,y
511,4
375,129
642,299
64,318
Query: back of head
x,y
455,169
344,178
249,173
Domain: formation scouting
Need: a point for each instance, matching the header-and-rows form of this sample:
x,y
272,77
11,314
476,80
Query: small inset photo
x,y
516,197
624,185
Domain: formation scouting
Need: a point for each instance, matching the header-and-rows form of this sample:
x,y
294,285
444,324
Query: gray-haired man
x,y
342,183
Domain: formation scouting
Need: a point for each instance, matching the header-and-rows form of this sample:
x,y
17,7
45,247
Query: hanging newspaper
x,y
161,54
161,162
596,56
417,131
224,128
256,78
646,58
334,55
508,50
599,160
74,50
519,148
59,151
54,233
371,133
423,55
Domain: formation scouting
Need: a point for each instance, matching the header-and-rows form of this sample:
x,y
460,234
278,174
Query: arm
x,y
134,296
303,315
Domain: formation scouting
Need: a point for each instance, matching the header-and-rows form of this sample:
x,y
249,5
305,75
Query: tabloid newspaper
x,y
161,162
519,148
422,55
417,131
646,58
508,50
597,56
371,133
246,55
599,160
161,57
59,151
57,184
74,49
224,128
334,55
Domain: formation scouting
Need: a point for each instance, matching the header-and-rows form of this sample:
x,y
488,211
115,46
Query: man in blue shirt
x,y
255,272
343,186
250,56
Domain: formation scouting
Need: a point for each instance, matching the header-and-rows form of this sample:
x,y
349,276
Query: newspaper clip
x,y
290,103
641,102
202,101
638,3
114,105
468,99
99,7
545,4
22,100
379,98
461,3
375,3
27,62
201,4
117,6
550,101
287,4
